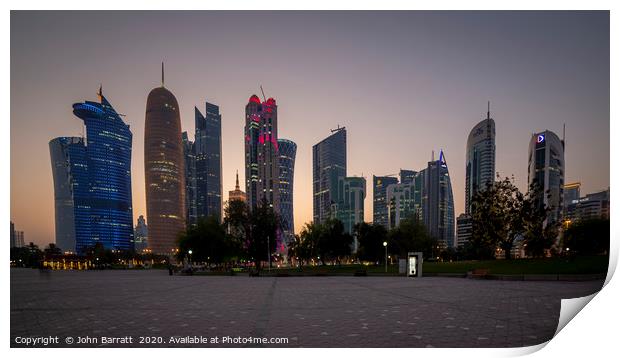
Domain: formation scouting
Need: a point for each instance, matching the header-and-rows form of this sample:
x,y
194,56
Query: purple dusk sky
x,y
403,83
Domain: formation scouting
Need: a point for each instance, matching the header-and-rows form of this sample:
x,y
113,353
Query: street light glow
x,y
384,243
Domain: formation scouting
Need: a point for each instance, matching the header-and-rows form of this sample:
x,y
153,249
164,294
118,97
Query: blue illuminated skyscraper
x,y
92,179
286,151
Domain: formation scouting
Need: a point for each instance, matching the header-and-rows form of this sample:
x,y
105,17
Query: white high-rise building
x,y
480,158
546,169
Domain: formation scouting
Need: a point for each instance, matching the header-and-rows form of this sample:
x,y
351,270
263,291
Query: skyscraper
x,y
438,201
404,200
463,229
92,181
17,237
407,176
571,193
261,152
329,165
141,235
12,235
71,193
349,207
191,210
480,158
208,153
546,170
164,170
379,198
236,194
287,150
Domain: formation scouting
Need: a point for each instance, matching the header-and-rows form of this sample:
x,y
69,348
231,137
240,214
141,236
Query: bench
x,y
360,273
478,273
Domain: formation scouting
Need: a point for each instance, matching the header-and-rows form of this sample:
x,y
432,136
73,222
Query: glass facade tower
x,y
480,159
261,152
71,198
92,181
350,204
546,170
329,165
404,200
164,167
208,156
191,214
379,198
287,150
438,201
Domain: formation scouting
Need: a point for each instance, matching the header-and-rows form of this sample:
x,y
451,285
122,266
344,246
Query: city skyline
x,y
398,99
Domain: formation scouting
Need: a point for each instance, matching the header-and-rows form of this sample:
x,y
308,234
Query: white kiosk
x,y
414,264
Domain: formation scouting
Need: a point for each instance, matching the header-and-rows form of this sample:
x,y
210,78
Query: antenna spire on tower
x,y
237,184
263,92
162,73
100,92
564,132
488,109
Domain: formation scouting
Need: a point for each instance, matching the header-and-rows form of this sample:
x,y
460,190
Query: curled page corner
x,y
570,308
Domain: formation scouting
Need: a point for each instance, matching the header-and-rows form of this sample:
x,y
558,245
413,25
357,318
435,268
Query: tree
x,y
27,256
237,222
370,238
411,236
297,250
334,243
264,224
496,218
100,255
207,240
52,250
588,237
538,234
307,246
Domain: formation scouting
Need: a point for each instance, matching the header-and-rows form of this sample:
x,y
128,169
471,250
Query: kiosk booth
x,y
414,264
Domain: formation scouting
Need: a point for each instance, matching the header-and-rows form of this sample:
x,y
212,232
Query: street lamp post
x,y
268,254
385,245
190,257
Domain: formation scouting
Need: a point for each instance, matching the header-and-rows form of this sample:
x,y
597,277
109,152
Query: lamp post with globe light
x,y
385,245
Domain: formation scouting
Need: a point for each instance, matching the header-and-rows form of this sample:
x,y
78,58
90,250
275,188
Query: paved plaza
x,y
307,311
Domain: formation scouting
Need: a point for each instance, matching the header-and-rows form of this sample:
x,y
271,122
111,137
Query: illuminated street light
x,y
386,255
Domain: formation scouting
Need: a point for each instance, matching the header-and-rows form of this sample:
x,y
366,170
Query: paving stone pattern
x,y
309,311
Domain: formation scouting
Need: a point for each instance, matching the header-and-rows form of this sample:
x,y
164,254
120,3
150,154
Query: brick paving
x,y
308,311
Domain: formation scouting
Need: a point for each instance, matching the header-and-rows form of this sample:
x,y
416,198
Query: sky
x,y
403,83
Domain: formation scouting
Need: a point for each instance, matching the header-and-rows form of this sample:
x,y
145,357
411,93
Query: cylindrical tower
x,y
164,170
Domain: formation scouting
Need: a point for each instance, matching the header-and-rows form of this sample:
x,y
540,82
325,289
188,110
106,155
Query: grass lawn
x,y
576,265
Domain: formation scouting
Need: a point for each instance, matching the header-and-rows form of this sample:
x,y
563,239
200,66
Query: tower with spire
x,y
480,158
164,166
93,202
236,194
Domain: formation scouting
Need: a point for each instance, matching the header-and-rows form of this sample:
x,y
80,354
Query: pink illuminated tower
x,y
261,152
